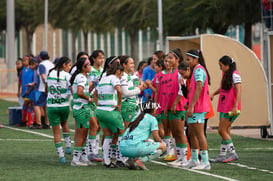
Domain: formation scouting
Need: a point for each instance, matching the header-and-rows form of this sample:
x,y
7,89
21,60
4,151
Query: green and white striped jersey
x,y
58,91
80,80
128,88
107,94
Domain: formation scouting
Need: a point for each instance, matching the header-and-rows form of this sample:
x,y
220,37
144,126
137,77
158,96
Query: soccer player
x,y
81,111
108,94
135,141
58,104
199,105
229,106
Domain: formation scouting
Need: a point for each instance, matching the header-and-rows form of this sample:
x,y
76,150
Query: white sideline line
x,y
28,131
250,168
26,140
205,173
196,171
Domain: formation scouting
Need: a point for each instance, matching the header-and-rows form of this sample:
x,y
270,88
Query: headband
x,y
112,60
192,55
86,62
26,57
174,54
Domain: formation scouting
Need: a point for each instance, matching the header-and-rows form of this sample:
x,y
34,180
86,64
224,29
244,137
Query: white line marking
x,y
26,140
28,131
205,173
250,168
196,171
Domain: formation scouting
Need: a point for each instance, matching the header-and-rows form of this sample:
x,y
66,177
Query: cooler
x,y
15,115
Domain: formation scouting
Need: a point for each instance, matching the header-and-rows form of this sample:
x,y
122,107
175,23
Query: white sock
x,y
84,154
107,150
231,148
67,139
120,157
60,152
184,154
223,150
167,141
76,155
91,146
96,148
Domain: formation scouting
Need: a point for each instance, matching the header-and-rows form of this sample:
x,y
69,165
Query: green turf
x,y
27,156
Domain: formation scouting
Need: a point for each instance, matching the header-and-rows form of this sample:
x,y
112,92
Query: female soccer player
x,y
229,106
108,111
129,97
81,111
199,105
135,141
175,107
96,59
58,104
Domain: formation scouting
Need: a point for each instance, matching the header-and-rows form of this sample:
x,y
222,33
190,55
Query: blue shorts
x,y
40,99
137,150
197,118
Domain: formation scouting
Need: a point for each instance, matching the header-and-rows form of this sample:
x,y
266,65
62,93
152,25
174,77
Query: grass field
x,y
30,155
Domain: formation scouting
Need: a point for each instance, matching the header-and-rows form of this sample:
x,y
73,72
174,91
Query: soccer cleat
x,y
232,157
140,164
190,164
218,159
112,164
89,163
121,164
78,163
62,160
202,166
95,158
170,158
175,163
68,150
131,165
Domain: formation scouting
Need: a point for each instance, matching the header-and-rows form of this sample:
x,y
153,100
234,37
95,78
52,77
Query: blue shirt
x,y
148,74
142,131
27,77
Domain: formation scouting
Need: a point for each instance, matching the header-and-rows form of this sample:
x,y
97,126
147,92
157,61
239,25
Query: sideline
x,y
157,162
250,168
196,171
30,140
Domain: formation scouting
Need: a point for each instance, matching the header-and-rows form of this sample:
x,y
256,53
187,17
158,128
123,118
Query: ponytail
x,y
58,66
79,66
148,107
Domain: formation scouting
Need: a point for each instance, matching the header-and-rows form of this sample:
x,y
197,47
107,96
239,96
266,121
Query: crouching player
x,y
135,144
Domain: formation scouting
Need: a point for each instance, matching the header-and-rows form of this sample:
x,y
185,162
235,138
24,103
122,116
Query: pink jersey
x,y
162,91
155,79
203,103
173,89
227,99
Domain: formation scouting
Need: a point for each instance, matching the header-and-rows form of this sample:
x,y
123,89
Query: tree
x,y
218,15
130,15
29,15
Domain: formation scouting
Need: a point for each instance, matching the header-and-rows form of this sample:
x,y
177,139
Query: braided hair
x,y
59,65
